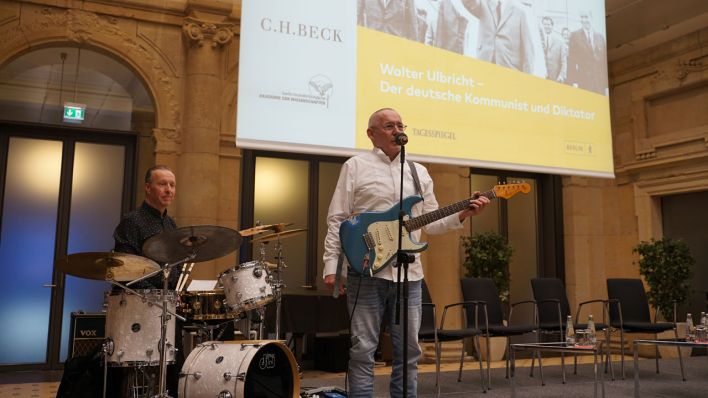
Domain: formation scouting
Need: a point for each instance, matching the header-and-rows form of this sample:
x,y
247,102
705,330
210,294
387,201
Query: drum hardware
x,y
143,298
106,350
277,282
174,247
162,389
182,245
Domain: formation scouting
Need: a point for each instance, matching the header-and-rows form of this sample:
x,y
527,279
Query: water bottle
x,y
702,329
591,330
569,332
690,329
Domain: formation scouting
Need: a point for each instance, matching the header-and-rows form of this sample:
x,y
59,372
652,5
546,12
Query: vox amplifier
x,y
86,334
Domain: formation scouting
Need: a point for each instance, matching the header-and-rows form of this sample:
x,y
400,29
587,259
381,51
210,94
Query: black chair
x,y
482,294
629,313
430,333
553,310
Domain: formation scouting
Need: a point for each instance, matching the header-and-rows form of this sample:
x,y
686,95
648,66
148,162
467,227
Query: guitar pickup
x,y
369,241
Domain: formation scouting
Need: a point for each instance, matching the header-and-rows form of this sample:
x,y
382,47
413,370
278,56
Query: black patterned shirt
x,y
134,229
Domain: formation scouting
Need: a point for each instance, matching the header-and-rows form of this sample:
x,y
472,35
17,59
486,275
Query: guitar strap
x,y
338,275
416,181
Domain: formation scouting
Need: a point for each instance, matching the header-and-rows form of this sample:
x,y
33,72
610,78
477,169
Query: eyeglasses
x,y
394,126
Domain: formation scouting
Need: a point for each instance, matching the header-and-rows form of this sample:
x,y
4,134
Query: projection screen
x,y
517,84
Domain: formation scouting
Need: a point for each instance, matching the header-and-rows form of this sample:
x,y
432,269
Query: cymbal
x,y
206,241
121,267
279,235
262,228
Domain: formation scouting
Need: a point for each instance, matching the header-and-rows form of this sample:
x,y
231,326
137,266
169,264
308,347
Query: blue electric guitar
x,y
370,240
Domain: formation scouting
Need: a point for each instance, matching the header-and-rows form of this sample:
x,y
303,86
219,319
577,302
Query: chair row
x,y
626,308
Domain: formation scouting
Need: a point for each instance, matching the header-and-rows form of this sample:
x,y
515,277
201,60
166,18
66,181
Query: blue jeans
x,y
377,298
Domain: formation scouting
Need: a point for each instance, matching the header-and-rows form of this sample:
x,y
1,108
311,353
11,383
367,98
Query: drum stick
x,y
181,276
186,276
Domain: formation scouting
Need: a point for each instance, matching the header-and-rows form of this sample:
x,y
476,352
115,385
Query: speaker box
x,y
86,333
332,353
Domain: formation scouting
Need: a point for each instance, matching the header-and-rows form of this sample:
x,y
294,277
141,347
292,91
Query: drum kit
x,y
140,323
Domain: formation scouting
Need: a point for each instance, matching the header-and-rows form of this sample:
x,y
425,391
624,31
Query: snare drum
x,y
252,369
133,328
247,286
204,305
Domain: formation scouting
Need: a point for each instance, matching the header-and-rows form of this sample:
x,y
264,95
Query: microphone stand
x,y
402,261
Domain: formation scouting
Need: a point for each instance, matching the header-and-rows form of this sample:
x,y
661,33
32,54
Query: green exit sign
x,y
74,113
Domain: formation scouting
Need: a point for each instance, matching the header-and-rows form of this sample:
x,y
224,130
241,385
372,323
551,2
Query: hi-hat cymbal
x,y
207,242
119,267
279,235
263,228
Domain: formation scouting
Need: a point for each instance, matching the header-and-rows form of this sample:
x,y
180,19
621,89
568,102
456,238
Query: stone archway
x,y
183,53
35,26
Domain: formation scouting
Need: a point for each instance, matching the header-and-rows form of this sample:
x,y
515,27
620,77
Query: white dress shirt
x,y
370,182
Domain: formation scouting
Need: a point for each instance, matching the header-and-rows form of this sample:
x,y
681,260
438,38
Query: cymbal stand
x,y
261,325
162,391
261,311
278,284
104,353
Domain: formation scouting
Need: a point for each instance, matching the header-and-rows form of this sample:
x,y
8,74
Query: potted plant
x,y
666,266
487,255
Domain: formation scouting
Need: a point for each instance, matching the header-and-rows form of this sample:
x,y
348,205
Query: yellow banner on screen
x,y
462,108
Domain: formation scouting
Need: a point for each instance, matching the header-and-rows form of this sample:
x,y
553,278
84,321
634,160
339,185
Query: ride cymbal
x,y
205,242
120,267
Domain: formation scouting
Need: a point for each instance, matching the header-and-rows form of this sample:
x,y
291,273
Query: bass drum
x,y
240,369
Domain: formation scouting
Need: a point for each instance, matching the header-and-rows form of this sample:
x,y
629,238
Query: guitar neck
x,y
425,219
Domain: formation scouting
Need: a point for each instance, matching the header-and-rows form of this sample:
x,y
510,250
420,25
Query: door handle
x,y
49,285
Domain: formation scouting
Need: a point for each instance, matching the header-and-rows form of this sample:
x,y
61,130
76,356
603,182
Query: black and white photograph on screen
x,y
555,51
505,33
397,17
587,56
538,37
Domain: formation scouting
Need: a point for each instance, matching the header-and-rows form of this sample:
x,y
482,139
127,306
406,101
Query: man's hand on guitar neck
x,y
476,206
329,281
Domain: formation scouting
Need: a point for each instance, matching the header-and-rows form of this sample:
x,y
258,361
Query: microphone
x,y
400,139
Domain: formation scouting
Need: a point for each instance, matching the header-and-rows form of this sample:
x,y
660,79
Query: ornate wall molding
x,y
197,31
693,65
49,25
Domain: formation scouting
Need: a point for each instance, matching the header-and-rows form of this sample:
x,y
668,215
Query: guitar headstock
x,y
506,191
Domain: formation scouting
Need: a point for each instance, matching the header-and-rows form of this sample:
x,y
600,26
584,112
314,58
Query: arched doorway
x,y
74,121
